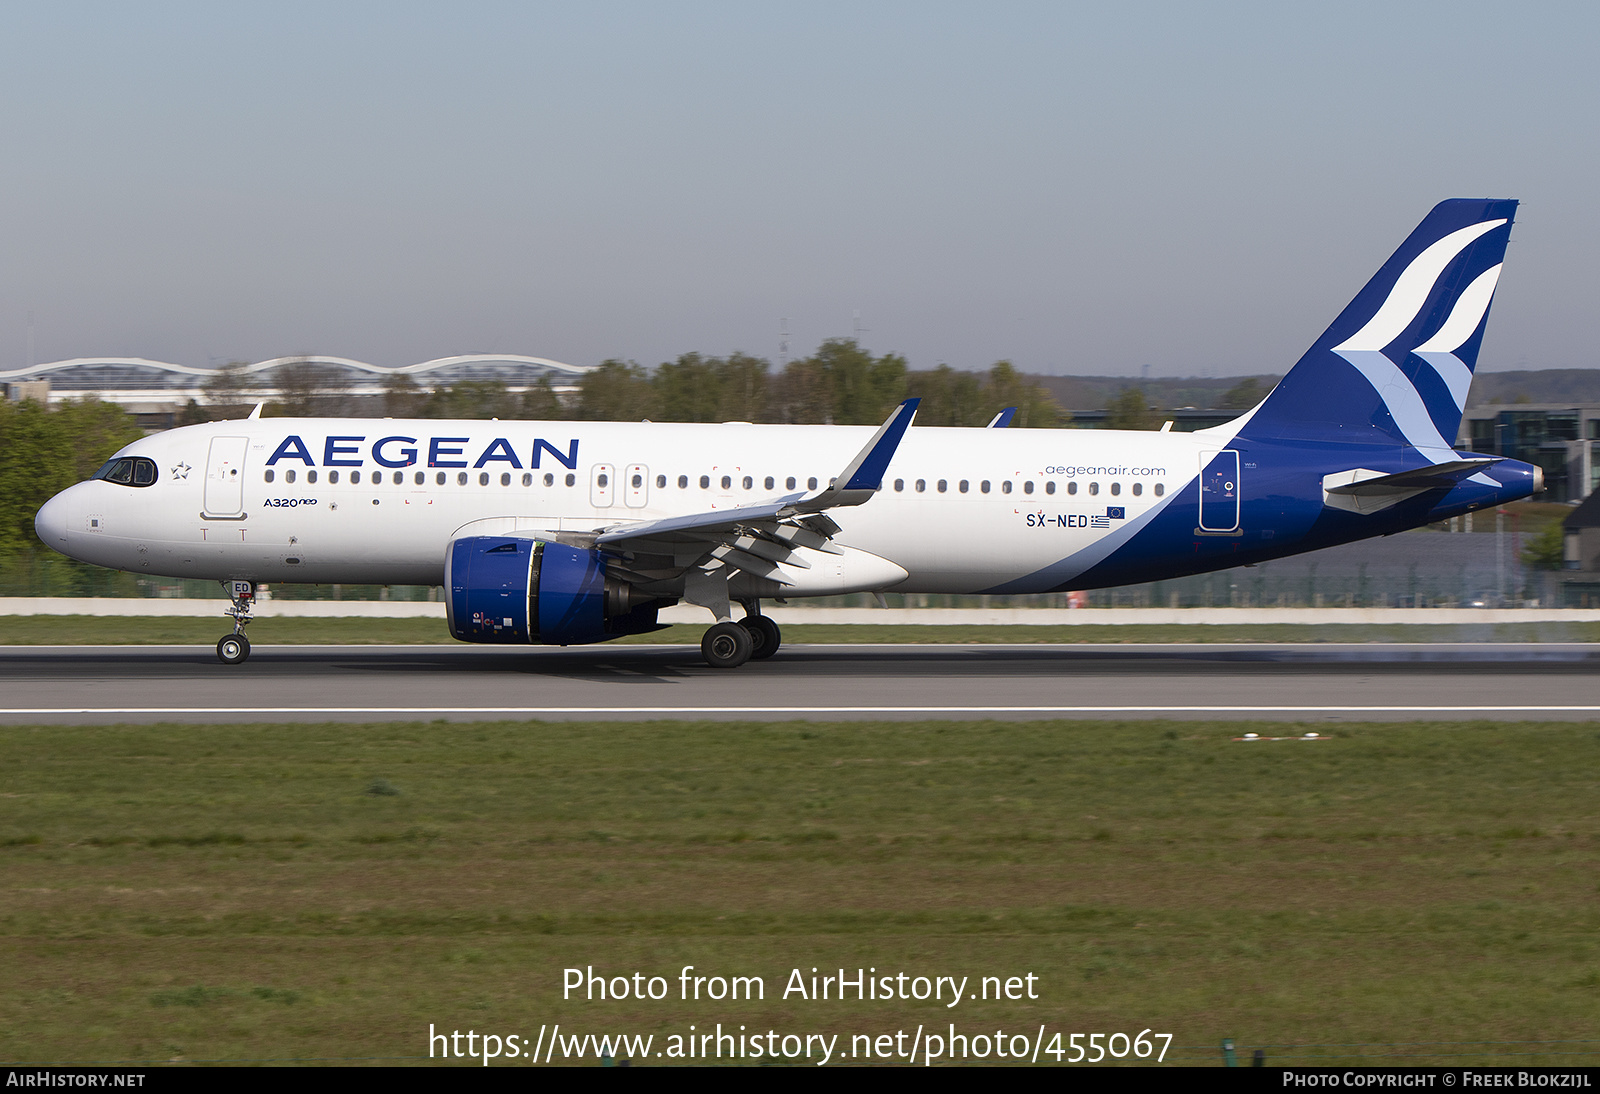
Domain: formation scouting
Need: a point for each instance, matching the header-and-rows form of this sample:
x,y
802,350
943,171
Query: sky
x,y
1078,188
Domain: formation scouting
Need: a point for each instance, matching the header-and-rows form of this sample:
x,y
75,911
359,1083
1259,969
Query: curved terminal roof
x,y
140,374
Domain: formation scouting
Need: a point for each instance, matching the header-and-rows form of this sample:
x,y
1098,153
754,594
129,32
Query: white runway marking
x,y
534,711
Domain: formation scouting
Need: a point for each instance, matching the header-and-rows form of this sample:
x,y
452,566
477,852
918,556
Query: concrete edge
x,y
794,615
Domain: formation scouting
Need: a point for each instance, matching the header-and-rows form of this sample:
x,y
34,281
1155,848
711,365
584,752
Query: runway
x,y
1310,682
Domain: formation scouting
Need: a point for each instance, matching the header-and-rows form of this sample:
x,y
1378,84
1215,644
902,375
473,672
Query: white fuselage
x,y
378,501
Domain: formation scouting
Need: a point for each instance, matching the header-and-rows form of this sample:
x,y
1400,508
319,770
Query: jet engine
x,y
518,591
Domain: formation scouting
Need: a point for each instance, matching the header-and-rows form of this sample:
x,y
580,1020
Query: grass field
x,y
327,891
34,630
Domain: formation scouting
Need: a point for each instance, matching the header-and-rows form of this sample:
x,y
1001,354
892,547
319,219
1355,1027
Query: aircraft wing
x,y
759,536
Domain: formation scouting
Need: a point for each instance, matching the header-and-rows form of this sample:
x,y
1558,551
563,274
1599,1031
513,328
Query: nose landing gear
x,y
233,648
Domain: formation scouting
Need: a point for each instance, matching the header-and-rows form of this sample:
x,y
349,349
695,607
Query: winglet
x,y
864,475
1002,419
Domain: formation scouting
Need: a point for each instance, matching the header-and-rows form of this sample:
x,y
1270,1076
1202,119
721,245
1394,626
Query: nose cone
x,y
53,520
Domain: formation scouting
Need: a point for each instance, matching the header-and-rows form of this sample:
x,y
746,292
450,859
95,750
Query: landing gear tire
x,y
765,635
727,645
233,649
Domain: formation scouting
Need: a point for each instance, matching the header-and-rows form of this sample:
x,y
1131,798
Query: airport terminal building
x,y
156,391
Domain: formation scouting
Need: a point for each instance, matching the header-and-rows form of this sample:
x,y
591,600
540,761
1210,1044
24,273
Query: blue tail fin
x,y
1395,367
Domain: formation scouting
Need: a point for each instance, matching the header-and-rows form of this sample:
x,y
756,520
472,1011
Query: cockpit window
x,y
128,471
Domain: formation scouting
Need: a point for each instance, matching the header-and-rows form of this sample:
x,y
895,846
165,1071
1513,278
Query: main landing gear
x,y
233,648
731,643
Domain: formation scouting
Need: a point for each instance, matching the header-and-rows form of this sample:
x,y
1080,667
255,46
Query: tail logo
x,y
1411,291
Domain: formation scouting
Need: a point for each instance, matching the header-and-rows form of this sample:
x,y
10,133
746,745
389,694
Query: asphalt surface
x,y
1312,682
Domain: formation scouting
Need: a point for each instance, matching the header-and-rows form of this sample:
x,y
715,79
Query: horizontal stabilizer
x,y
1433,477
1364,491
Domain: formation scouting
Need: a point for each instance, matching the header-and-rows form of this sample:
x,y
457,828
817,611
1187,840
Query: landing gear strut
x,y
233,648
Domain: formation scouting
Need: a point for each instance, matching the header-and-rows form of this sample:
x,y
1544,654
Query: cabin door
x,y
1219,491
225,477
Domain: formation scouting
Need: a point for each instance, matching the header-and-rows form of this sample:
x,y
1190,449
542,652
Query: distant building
x,y
157,390
37,390
1563,440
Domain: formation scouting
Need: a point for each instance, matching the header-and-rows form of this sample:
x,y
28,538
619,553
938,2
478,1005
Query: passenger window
x,y
288,475
311,476
505,478
705,482
727,482
269,476
749,482
572,480
1072,487
1094,488
770,483
602,480
984,486
1116,488
421,478
527,479
1138,488
638,481
483,478
811,483
789,483
333,477
1050,487
461,478
962,486
683,482
1027,486
899,485
549,479
922,484
943,486
1160,489
1005,487
661,482
439,478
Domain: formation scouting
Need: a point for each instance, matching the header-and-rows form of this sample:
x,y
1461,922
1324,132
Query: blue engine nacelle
x,y
509,590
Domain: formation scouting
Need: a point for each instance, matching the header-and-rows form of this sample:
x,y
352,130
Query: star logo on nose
x,y
180,471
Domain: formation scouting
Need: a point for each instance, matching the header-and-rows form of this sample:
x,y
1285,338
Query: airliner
x,y
577,532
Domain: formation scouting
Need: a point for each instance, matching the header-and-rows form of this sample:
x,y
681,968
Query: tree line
x,y
42,452
841,383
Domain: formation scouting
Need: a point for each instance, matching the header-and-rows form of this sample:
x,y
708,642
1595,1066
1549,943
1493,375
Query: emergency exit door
x,y
636,487
602,485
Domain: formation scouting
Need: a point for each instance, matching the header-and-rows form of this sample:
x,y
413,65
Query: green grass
x,y
68,630
327,891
